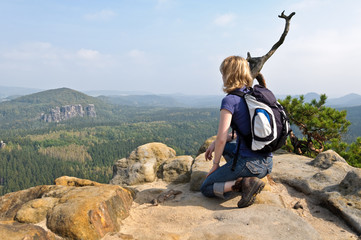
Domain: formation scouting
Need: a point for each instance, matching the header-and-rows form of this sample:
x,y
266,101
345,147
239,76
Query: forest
x,y
88,148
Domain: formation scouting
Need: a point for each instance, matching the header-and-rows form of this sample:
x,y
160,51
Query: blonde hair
x,y
236,73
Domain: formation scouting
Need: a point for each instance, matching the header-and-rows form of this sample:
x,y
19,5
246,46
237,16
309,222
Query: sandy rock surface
x,y
280,212
291,206
327,178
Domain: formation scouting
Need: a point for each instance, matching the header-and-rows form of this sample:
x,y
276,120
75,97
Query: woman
x,y
250,165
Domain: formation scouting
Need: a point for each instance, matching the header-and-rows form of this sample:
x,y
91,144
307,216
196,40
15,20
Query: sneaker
x,y
251,187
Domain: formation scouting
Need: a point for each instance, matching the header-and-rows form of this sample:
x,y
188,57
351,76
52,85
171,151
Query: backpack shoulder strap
x,y
237,93
234,127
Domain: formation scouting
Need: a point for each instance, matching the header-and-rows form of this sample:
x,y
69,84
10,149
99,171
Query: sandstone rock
x,y
348,208
35,210
89,212
165,196
159,151
73,181
345,199
280,224
205,145
327,178
326,159
90,110
351,184
298,172
177,169
10,203
200,169
193,216
57,192
142,165
63,113
17,231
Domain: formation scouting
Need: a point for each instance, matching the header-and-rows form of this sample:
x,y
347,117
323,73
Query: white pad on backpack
x,y
263,123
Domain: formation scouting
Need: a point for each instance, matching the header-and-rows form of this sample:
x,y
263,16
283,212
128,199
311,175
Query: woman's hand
x,y
209,151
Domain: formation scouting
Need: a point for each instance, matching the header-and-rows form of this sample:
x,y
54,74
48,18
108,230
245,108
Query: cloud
x,y
87,54
36,55
26,51
43,65
225,19
161,4
137,56
135,53
307,4
103,15
325,62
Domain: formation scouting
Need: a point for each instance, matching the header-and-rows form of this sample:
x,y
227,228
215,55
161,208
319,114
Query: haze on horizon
x,y
176,46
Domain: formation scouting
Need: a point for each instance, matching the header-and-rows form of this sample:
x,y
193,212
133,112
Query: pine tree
x,y
317,123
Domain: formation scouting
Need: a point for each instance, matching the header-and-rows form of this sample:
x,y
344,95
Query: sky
x,y
176,46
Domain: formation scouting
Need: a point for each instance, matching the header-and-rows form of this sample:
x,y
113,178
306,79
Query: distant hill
x,y
145,99
201,101
350,100
165,100
354,116
97,93
25,111
310,96
56,97
142,100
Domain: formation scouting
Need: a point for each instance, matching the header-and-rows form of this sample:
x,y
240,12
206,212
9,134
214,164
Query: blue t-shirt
x,y
240,116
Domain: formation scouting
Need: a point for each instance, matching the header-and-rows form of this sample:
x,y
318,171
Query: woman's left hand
x,y
209,151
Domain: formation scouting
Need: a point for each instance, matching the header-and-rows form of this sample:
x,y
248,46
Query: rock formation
x,y
15,231
90,110
178,169
142,165
327,178
72,209
63,113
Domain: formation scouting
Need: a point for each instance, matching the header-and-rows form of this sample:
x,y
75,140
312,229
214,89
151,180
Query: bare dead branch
x,y
316,150
296,143
261,80
256,63
299,146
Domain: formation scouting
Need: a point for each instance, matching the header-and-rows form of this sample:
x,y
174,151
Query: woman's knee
x,y
207,190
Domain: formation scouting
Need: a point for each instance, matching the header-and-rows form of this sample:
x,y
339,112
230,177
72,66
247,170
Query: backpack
x,y
269,122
